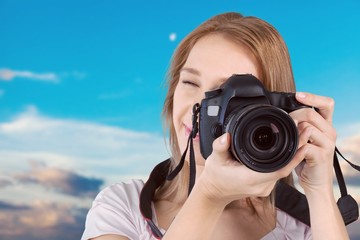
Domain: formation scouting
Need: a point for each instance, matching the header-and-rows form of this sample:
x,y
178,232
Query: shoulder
x,y
126,192
115,210
120,200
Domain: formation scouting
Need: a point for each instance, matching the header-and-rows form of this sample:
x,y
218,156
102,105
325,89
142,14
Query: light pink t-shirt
x,y
116,211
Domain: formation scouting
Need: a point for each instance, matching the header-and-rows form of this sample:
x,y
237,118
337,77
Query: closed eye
x,y
191,83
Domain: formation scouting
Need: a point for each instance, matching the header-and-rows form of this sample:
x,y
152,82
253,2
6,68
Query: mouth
x,y
188,132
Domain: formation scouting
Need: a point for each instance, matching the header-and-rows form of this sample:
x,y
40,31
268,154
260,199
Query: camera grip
x,y
286,101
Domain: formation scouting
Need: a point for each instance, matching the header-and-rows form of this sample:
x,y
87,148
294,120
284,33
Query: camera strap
x,y
287,198
192,164
294,203
163,172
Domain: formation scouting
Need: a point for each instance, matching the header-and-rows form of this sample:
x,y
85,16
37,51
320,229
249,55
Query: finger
x,y
302,126
314,136
309,116
304,135
315,154
319,139
324,104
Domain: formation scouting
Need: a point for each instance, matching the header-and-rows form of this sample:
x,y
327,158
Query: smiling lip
x,y
188,131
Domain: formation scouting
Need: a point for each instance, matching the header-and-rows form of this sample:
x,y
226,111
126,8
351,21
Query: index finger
x,y
324,104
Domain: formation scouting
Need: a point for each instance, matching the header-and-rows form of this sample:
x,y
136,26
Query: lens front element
x,y
264,137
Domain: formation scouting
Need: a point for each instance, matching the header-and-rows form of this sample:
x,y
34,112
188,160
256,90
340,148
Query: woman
x,y
228,200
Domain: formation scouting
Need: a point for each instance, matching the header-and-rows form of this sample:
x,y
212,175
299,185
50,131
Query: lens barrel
x,y
264,137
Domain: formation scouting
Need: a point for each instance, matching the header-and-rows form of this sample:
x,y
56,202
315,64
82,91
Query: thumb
x,y
221,145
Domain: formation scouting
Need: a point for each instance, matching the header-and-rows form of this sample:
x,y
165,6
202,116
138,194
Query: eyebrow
x,y
190,70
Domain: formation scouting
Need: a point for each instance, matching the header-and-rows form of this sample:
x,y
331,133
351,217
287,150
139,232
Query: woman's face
x,y
212,60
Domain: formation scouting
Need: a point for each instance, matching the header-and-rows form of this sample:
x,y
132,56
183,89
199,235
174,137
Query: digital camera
x,y
263,135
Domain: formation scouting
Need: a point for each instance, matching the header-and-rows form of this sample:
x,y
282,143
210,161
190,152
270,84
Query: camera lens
x,y
264,137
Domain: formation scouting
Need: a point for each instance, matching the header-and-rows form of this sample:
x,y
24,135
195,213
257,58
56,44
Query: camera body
x,y
263,135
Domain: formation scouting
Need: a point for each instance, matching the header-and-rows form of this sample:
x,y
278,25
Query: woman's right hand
x,y
224,179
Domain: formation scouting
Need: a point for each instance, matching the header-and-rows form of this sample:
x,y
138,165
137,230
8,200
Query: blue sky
x,y
82,86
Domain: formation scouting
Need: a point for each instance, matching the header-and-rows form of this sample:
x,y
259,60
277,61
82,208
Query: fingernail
x,y
300,95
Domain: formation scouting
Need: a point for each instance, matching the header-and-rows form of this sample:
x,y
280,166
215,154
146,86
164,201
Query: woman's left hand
x,y
317,136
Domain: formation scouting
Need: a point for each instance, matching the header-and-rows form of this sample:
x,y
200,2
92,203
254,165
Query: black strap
x,y
347,205
194,131
156,179
287,198
339,175
161,173
294,203
180,165
357,167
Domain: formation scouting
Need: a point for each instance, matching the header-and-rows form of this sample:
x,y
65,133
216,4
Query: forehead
x,y
214,53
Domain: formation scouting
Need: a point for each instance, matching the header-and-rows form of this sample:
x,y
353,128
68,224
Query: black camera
x,y
263,135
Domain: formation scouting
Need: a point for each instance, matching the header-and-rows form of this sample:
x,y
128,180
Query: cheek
x,y
176,108
176,111
179,115
179,103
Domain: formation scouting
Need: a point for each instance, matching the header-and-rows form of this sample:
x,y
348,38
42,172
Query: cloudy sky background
x,y
81,91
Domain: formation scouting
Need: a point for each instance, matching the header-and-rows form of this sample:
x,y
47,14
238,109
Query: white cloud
x,y
60,151
41,220
90,149
4,182
9,74
63,181
345,131
349,146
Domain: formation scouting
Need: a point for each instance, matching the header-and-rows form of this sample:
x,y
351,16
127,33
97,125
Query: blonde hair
x,y
258,36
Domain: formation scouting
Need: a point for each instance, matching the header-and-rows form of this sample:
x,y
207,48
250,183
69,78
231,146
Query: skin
x,y
204,71
215,208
